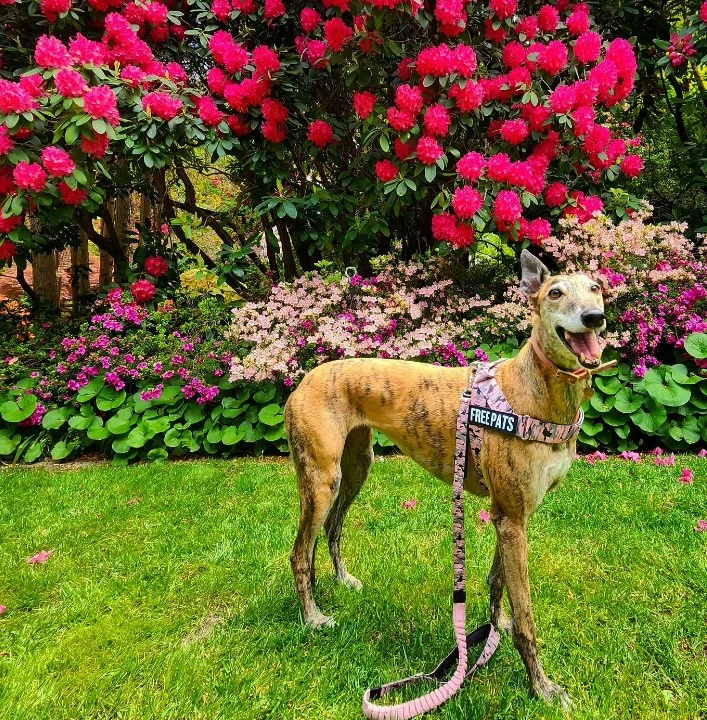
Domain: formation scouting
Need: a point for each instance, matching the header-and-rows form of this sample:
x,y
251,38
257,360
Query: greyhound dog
x,y
329,420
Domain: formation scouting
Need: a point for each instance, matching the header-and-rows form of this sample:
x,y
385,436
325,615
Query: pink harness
x,y
490,409
482,406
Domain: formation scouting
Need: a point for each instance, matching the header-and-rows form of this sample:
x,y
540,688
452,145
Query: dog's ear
x,y
534,274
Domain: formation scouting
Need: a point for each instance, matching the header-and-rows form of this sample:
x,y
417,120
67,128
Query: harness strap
x,y
487,633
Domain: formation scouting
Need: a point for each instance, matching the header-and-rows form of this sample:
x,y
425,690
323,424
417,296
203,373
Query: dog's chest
x,y
555,465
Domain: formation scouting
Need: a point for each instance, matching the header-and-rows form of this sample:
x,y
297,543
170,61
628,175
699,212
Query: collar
x,y
569,376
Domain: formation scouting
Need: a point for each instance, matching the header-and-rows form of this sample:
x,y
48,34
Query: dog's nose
x,y
593,318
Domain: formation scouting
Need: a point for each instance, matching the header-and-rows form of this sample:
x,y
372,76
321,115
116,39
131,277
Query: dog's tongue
x,y
585,344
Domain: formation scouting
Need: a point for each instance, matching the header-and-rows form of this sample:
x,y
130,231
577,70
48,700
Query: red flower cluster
x,y
156,266
143,291
320,133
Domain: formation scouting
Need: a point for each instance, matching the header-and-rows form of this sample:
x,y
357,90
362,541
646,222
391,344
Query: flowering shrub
x,y
136,382
655,283
313,96
406,314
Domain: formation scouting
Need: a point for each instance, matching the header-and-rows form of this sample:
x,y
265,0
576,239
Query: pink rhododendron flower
x,y
364,102
29,176
156,266
162,105
593,458
100,103
429,151
70,83
386,170
71,196
143,291
467,202
50,52
8,249
57,161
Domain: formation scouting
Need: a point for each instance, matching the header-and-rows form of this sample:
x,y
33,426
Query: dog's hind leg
x,y
356,462
317,463
497,584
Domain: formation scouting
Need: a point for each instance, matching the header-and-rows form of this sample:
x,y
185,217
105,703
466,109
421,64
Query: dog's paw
x,y
351,582
552,692
319,620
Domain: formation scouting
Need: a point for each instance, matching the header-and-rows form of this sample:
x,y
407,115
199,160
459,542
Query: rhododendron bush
x,y
349,122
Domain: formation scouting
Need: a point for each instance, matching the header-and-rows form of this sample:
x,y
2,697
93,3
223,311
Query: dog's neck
x,y
539,392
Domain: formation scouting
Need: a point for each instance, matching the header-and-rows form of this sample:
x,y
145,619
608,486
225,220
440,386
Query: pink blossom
x,y
687,477
410,504
484,516
41,557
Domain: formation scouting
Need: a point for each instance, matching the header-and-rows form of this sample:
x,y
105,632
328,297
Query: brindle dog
x,y
330,418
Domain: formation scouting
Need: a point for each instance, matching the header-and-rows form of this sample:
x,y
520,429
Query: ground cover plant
x,y
170,595
160,370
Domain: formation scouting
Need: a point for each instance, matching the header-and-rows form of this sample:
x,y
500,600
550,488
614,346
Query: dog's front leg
x,y
513,543
497,583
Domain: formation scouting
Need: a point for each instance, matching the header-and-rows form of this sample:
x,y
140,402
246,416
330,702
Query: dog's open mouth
x,y
585,346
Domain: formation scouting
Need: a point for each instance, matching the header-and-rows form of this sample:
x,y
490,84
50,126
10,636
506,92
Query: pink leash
x,y
488,632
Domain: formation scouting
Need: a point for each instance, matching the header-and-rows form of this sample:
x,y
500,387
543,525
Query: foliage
x,y
348,130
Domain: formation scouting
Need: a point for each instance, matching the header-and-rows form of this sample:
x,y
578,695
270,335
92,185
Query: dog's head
x,y
569,313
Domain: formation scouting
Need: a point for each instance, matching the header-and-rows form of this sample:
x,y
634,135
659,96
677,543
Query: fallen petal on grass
x,y
41,557
667,460
134,501
701,526
484,516
3,609
410,504
702,453
631,456
687,477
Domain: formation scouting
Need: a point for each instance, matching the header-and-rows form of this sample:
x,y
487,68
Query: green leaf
x,y
591,428
650,417
109,398
627,401
34,452
608,385
120,446
265,395
662,388
15,411
8,442
61,450
157,454
170,395
79,422
90,390
215,434
120,424
54,419
271,415
696,345
172,437
97,431
232,435
136,438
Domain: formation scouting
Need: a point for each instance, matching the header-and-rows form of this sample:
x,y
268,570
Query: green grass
x,y
182,605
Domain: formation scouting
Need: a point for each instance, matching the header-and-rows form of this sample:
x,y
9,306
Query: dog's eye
x,y
596,288
555,293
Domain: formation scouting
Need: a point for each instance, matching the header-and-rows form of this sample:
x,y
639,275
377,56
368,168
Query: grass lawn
x,y
170,594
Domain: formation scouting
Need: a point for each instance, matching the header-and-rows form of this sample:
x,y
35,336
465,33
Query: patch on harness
x,y
493,419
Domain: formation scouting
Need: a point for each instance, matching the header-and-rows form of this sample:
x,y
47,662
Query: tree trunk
x,y
45,282
121,222
288,256
105,267
80,271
